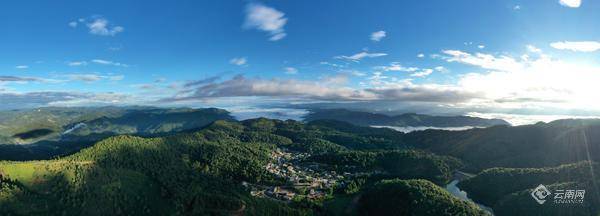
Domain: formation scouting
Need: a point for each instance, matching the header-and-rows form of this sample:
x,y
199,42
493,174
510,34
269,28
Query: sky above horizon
x,y
484,58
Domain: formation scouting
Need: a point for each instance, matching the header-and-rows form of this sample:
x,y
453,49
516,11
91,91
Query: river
x,y
457,192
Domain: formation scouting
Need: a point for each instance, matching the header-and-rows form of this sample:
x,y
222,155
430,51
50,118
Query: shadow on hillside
x,y
128,180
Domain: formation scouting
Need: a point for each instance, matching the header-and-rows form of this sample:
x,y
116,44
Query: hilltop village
x,y
304,180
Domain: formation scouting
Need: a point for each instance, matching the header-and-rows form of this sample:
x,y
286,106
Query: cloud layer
x,y
577,46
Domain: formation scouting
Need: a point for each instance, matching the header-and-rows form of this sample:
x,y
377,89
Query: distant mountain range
x,y
68,124
145,122
404,120
48,132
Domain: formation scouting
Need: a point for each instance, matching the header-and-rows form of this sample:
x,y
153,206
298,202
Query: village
x,y
303,180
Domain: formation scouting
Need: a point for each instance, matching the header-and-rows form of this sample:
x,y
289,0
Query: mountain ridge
x,y
403,120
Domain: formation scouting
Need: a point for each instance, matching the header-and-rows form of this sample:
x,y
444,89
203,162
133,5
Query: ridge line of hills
x,y
217,166
407,119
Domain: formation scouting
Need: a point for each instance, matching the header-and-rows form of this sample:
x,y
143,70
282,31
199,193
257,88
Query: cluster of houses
x,y
302,180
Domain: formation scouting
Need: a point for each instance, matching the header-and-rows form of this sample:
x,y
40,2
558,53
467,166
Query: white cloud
x,y
520,119
337,80
353,72
116,77
239,61
395,66
486,61
541,83
84,77
20,100
481,46
93,77
290,70
267,19
73,24
101,26
22,67
517,7
420,55
378,35
496,83
94,99
570,3
533,49
361,55
4,78
107,62
240,86
422,73
325,89
332,64
77,63
277,36
441,69
578,46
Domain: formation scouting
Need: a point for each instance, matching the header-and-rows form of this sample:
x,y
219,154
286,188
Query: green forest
x,y
202,173
273,167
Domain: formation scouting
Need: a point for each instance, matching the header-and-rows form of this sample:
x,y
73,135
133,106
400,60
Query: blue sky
x,y
438,57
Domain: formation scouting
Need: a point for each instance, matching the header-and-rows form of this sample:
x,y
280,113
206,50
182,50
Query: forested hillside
x,y
204,172
52,119
508,190
404,120
413,197
538,145
45,133
273,167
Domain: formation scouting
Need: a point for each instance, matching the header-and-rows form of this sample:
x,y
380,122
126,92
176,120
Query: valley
x,y
221,166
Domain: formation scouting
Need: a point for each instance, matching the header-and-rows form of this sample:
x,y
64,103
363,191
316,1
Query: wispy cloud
x,y
358,56
395,66
264,18
570,3
97,61
18,79
77,63
441,69
290,70
107,62
577,46
486,61
239,61
91,77
21,67
378,35
73,24
422,73
84,77
102,27
533,49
